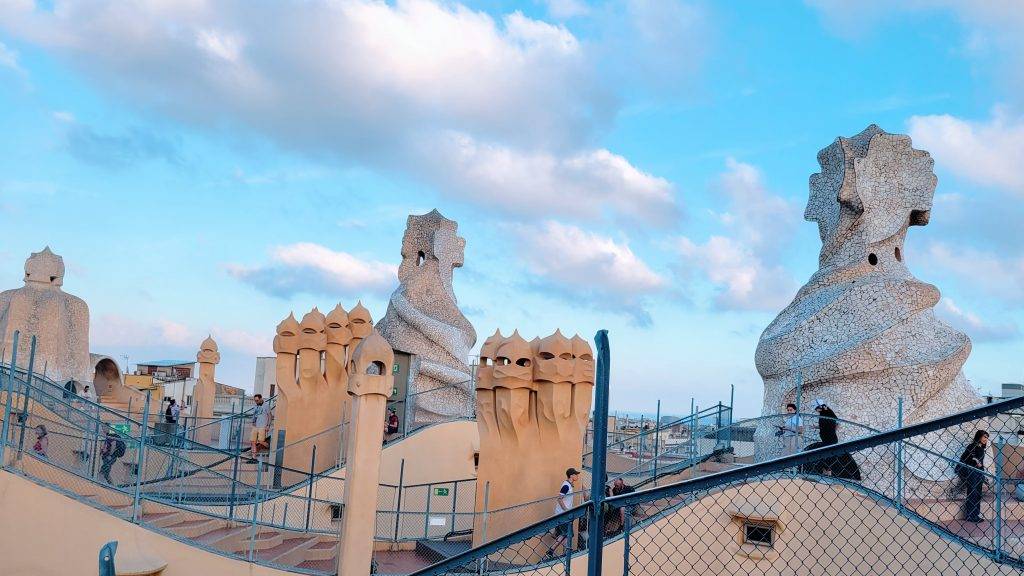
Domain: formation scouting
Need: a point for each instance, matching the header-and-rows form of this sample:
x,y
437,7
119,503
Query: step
x,y
288,546
326,565
161,519
323,549
195,528
240,542
437,550
222,533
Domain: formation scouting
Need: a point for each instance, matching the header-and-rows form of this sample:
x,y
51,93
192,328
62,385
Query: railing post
x,y
569,547
627,529
693,430
309,489
799,409
255,508
95,443
426,515
998,540
28,393
643,447
10,394
595,525
398,505
718,426
657,437
732,403
234,487
899,456
455,500
141,462
481,564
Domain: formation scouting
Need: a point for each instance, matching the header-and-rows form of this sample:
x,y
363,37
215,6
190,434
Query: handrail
x,y
697,416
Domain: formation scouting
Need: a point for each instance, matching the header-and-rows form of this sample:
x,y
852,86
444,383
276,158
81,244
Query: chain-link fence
x,y
938,497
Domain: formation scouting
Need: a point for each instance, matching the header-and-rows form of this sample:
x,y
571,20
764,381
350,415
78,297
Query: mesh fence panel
x,y
905,501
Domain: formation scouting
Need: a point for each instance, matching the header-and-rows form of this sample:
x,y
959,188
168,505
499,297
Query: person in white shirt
x,y
564,503
88,393
792,429
262,419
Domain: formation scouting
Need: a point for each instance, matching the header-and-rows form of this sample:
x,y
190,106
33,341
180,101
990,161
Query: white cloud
x,y
744,280
116,331
421,87
310,268
974,326
987,152
580,185
999,276
654,45
9,58
760,219
744,264
227,47
589,268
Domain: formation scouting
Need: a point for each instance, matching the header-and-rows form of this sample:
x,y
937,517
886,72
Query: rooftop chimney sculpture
x,y
423,318
59,320
862,332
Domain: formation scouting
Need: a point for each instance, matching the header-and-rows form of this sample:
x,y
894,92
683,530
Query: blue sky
x,y
635,165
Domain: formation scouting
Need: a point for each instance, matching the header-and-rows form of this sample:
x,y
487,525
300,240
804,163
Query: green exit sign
x,y
440,491
394,368
122,429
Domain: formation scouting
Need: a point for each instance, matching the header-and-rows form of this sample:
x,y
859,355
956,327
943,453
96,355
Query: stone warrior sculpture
x,y
862,331
423,318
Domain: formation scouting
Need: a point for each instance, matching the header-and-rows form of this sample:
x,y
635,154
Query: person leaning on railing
x,y
791,429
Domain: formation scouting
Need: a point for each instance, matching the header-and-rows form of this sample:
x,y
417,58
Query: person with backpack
x,y
113,448
173,412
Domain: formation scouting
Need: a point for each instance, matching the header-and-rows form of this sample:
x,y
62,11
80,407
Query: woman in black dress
x,y
841,466
971,476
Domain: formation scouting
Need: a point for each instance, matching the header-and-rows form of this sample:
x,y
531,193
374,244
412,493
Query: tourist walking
x,y
113,448
563,503
260,435
42,441
88,393
971,476
791,429
70,389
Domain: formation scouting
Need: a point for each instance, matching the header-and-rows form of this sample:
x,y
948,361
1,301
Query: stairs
x,y
273,546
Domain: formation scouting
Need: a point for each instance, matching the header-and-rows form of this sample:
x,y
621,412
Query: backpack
x,y
118,448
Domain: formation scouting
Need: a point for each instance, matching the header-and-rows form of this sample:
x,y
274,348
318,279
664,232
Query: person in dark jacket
x,y
841,466
827,424
971,477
